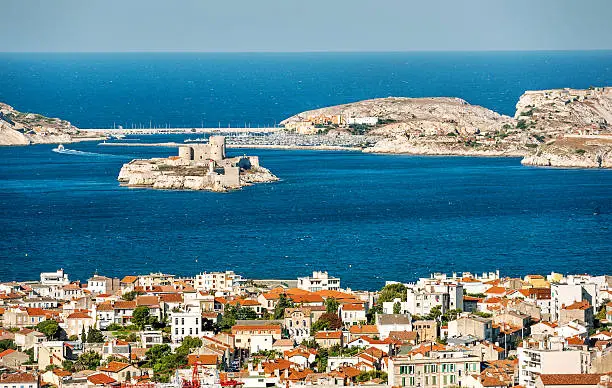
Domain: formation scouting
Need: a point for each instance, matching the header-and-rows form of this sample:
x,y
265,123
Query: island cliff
x,y
17,128
197,167
539,131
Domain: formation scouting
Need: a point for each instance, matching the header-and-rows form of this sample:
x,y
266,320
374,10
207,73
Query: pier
x,y
155,131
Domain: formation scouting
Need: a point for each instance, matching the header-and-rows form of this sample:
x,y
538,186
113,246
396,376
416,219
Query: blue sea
x,y
365,218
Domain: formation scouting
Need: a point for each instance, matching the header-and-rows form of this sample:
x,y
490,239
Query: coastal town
x,y
222,329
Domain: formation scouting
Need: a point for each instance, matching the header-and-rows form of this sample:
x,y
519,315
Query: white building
x,y
320,280
387,323
57,278
261,342
548,357
389,306
428,293
565,294
368,120
218,281
102,285
183,324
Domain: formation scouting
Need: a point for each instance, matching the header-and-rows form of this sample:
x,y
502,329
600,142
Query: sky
x,y
304,25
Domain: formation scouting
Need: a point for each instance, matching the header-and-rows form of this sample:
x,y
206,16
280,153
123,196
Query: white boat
x,y
59,148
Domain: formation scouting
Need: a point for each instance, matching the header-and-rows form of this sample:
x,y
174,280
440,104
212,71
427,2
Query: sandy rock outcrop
x,y
576,152
18,128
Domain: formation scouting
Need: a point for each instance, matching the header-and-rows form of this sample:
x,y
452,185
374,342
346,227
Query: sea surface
x,y
366,218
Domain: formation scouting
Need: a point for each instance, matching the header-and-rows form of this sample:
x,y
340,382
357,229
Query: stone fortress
x,y
197,167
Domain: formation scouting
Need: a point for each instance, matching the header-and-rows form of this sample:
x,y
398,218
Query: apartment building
x,y
320,280
549,356
431,366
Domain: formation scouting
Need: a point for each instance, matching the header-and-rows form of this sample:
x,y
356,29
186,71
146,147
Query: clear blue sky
x,y
304,25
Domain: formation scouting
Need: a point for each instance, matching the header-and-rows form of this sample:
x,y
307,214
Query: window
x,y
411,379
411,369
434,380
182,321
403,370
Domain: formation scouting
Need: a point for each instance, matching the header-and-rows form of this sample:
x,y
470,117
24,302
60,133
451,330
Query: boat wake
x,y
62,150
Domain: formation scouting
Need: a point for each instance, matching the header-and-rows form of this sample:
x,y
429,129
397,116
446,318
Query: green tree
x,y
49,328
83,335
391,292
327,321
310,343
321,360
373,374
129,296
7,344
229,317
140,316
89,360
95,336
397,307
331,305
283,303
371,314
68,365
246,313
434,313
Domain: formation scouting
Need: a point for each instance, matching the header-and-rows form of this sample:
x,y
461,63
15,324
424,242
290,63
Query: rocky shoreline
x,y
18,129
538,132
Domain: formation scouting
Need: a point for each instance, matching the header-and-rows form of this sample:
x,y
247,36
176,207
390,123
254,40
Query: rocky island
x,y
197,167
564,127
18,128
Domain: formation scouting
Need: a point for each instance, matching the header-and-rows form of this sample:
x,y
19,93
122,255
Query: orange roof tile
x,y
114,367
582,305
202,359
101,379
570,379
328,335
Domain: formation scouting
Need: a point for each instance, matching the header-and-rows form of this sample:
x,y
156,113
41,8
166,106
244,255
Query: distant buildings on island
x,y
220,329
314,124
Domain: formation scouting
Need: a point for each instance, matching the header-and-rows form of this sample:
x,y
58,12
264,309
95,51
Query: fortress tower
x,y
214,150
217,147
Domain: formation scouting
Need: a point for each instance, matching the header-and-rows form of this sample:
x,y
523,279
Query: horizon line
x,y
308,51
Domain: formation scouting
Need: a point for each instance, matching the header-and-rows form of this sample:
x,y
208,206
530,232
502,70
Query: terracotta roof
x,y
105,307
124,305
101,379
582,305
275,328
364,329
147,300
307,298
129,279
172,298
78,315
36,312
114,367
284,342
18,378
570,379
204,359
328,335
7,352
496,290
575,341
61,372
353,307
403,335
